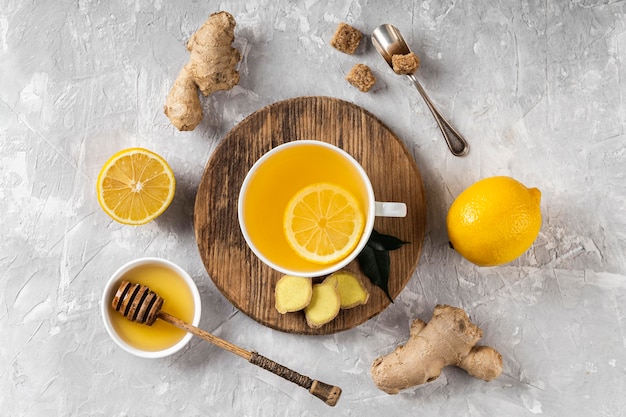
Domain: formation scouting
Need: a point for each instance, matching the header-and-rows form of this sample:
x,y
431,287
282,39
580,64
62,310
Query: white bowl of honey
x,y
181,299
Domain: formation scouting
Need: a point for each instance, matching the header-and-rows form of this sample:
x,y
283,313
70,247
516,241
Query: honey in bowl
x,y
179,299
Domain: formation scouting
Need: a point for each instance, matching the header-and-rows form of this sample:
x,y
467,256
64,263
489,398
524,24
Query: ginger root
x,y
211,68
448,339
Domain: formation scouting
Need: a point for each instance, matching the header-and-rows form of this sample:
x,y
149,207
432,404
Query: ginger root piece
x,y
352,293
183,106
211,68
212,59
346,38
361,77
292,293
448,339
405,64
325,303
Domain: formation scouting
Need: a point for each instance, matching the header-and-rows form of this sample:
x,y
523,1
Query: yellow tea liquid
x,y
177,301
274,184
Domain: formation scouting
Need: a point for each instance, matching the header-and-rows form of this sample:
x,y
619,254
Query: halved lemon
x,y
135,186
323,223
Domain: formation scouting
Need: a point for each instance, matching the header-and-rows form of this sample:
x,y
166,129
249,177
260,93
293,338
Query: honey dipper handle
x,y
205,335
328,393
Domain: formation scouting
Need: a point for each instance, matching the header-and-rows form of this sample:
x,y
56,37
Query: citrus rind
x,y
135,186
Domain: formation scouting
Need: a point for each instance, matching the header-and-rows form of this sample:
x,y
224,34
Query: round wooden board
x,y
237,272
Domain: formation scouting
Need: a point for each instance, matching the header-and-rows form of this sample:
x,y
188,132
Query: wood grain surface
x,y
244,279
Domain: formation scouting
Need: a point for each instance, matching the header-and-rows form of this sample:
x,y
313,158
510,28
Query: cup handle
x,y
390,209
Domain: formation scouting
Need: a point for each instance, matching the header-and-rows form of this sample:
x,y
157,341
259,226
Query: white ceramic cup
x,y
111,288
286,166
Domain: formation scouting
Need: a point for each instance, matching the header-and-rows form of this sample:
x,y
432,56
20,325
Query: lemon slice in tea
x,y
323,223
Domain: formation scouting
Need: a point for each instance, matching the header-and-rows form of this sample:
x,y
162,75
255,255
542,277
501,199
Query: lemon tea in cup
x,y
307,208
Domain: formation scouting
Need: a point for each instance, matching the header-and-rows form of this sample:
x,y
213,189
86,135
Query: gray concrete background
x,y
536,87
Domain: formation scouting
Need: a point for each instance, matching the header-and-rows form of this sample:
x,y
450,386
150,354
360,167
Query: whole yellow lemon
x,y
494,221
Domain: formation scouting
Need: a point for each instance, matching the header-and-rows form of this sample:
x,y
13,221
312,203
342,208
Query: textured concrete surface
x,y
538,89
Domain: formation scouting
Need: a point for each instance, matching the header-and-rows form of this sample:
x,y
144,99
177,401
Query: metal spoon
x,y
388,41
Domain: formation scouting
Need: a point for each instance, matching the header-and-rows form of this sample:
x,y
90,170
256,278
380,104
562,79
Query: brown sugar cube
x,y
346,38
405,64
361,77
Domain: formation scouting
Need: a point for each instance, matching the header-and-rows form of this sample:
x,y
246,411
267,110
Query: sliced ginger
x,y
321,302
292,293
351,290
325,303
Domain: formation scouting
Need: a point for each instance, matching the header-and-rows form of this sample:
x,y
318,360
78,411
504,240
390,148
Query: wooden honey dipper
x,y
138,303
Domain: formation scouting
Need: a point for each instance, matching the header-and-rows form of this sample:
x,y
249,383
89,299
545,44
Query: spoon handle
x,y
328,393
456,143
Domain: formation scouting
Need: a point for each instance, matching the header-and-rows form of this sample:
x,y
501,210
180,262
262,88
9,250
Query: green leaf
x,y
376,264
380,241
375,261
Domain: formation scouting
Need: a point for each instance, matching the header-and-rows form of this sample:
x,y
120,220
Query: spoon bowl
x,y
388,41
